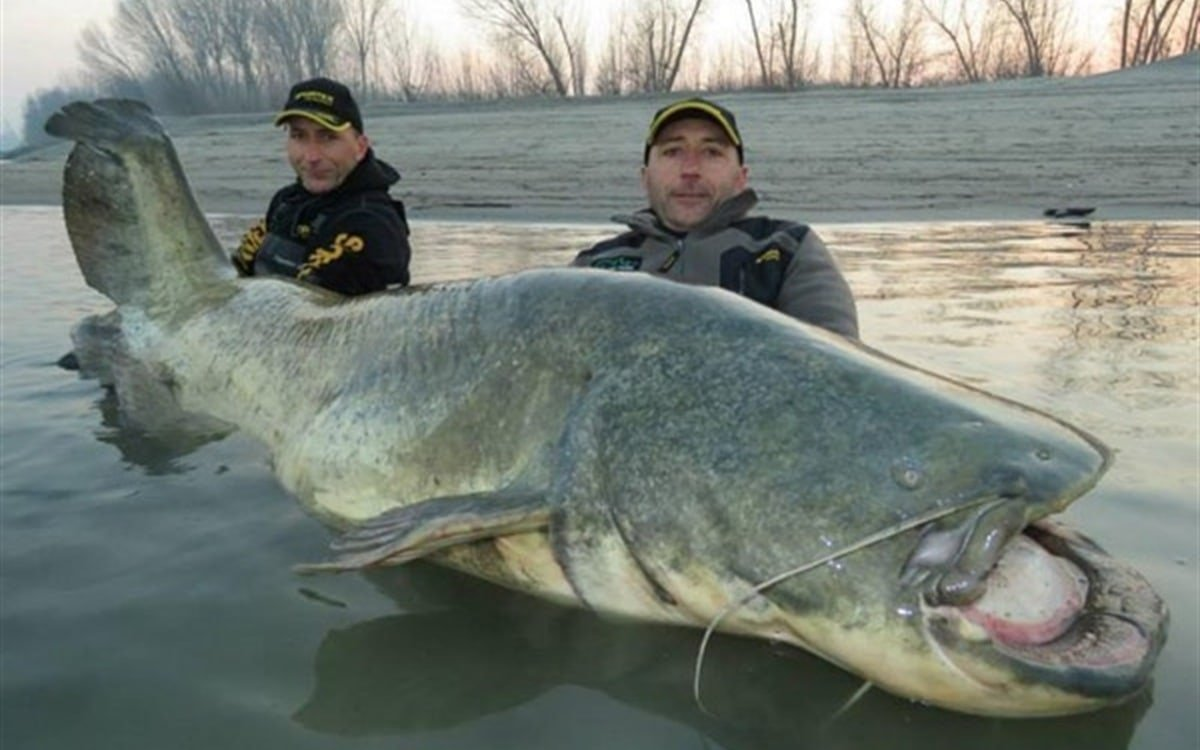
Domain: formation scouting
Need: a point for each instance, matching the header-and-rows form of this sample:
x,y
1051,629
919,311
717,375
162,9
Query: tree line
x,y
204,56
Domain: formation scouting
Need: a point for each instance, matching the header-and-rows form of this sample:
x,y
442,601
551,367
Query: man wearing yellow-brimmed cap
x,y
336,226
697,231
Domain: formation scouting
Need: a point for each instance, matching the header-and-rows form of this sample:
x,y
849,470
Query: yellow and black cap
x,y
695,107
325,102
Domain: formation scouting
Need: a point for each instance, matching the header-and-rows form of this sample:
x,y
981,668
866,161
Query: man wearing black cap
x,y
696,229
335,226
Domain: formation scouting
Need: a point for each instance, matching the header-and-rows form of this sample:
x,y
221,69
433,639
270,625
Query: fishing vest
x,y
780,264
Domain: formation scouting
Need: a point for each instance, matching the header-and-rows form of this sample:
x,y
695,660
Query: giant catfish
x,y
637,447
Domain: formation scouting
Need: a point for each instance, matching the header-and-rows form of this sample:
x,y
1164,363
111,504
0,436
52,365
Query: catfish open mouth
x,y
1059,609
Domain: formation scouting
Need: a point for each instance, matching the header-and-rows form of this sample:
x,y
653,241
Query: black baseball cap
x,y
325,102
694,107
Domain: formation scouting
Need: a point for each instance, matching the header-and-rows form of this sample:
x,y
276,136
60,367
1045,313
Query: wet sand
x,y
1125,143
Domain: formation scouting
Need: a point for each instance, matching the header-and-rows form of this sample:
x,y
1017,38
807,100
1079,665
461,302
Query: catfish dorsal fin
x,y
413,531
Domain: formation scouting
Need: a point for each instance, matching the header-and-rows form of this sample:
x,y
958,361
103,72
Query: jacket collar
x,y
648,223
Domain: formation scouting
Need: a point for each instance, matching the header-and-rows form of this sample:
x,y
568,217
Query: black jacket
x,y
351,240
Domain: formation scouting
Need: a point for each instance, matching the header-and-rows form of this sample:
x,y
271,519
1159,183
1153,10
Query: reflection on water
x,y
1045,313
138,584
158,451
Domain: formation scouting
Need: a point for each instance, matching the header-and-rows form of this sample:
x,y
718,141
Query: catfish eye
x,y
908,474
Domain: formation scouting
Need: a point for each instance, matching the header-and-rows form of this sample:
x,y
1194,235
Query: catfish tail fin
x,y
138,234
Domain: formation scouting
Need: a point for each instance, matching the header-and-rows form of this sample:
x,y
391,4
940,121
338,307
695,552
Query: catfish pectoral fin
x,y
413,531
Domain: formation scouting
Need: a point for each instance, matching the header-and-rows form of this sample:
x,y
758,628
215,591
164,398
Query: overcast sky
x,y
37,49
38,37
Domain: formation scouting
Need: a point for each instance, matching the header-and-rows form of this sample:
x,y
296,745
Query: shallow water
x,y
146,597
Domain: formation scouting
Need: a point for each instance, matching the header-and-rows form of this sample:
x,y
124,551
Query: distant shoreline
x,y
1126,143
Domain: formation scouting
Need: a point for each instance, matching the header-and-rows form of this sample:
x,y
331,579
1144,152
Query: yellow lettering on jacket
x,y
251,242
768,256
342,244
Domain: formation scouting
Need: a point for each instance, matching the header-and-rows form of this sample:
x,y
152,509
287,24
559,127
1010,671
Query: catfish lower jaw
x,y
1095,631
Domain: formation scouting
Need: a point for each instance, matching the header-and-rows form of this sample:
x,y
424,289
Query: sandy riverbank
x,y
1127,143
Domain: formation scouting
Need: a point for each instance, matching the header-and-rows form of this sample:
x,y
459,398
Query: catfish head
x,y
884,518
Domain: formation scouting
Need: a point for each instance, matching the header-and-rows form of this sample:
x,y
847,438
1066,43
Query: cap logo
x,y
317,97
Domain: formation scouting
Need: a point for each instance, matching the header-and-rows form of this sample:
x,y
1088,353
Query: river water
x,y
147,601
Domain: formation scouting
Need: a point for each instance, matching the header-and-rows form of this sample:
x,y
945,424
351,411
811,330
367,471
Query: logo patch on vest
x,y
770,255
619,263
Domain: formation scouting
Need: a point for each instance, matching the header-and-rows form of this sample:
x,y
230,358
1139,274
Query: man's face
x,y
692,168
322,157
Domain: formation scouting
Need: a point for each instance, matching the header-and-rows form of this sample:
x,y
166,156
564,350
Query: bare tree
x,y
611,70
852,64
571,33
517,71
205,48
1191,29
187,56
299,36
529,25
215,39
466,78
323,20
1043,27
661,31
731,67
243,45
106,66
147,28
144,52
280,31
414,65
973,33
765,77
1154,29
780,31
790,34
895,48
364,21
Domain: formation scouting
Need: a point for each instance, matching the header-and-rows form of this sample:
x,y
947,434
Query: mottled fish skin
x,y
540,434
